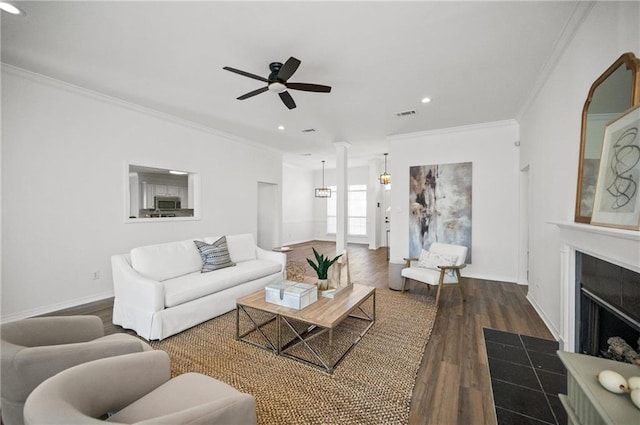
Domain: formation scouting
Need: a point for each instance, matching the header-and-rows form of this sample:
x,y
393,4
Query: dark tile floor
x,y
526,378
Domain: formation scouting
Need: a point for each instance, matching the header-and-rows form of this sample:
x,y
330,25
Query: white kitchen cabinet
x,y
182,193
147,192
166,190
161,189
150,191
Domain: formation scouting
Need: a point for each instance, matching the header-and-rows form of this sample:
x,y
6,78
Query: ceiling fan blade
x,y
309,87
289,67
246,74
287,100
253,93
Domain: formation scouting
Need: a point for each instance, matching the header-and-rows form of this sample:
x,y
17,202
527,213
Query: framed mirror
x,y
155,193
615,91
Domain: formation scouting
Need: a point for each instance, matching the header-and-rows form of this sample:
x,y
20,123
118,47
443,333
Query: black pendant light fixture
x,y
323,192
385,178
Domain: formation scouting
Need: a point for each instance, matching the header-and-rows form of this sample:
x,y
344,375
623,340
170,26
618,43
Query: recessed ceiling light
x,y
281,127
426,100
9,8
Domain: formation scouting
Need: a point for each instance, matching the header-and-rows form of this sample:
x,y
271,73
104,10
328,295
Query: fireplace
x,y
599,302
608,305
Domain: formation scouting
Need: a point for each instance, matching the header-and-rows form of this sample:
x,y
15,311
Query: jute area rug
x,y
372,384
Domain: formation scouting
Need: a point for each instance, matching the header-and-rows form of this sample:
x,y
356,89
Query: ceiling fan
x,y
277,81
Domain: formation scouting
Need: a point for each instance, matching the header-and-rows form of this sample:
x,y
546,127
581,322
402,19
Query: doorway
x,y
268,215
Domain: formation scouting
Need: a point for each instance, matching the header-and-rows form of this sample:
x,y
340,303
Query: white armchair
x,y
440,265
136,389
35,349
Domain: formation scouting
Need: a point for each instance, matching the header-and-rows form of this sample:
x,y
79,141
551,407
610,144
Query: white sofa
x,y
160,290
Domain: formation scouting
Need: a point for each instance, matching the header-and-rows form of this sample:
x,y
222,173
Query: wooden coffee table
x,y
288,332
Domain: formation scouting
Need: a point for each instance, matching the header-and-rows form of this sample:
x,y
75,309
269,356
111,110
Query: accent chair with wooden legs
x,y
439,266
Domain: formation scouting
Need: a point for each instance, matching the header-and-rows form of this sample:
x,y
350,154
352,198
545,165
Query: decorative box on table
x,y
291,294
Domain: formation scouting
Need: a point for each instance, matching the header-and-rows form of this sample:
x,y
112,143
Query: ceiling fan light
x,y
277,87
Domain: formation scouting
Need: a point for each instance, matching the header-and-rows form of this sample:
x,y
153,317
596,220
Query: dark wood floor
x,y
452,386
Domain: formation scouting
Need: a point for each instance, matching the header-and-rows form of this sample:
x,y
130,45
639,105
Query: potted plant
x,y
322,267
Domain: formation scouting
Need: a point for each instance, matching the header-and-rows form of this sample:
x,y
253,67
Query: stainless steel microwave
x,y
167,202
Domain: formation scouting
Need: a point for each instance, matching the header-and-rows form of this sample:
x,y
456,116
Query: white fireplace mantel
x,y
617,246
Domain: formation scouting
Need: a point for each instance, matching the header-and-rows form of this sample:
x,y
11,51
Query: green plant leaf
x,y
322,267
319,257
334,260
313,265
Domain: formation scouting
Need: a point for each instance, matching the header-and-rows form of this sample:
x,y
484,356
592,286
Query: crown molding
x,y
580,12
449,130
115,101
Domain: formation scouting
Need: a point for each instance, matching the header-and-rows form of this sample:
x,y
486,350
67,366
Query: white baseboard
x,y
288,243
544,317
490,277
55,307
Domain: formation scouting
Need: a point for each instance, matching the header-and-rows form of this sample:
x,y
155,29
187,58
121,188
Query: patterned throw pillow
x,y
214,256
432,260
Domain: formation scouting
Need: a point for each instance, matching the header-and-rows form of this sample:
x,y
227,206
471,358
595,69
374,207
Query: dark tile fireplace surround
x,y
607,304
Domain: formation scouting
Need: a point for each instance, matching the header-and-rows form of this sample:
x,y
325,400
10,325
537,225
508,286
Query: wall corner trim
x,y
580,12
459,129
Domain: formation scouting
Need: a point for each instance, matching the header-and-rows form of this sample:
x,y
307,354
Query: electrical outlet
x,y
96,275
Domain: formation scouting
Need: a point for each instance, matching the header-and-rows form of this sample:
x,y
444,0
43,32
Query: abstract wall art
x,y
440,206
617,201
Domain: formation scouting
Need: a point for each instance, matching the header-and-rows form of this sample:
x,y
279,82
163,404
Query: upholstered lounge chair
x,y
136,389
438,266
34,349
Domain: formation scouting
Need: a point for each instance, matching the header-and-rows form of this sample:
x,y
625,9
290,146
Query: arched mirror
x,y
615,91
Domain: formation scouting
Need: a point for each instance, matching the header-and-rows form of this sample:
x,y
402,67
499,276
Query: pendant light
x,y
385,178
323,192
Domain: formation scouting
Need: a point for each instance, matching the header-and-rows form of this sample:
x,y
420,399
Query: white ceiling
x,y
478,61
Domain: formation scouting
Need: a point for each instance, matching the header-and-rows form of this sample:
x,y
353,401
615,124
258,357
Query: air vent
x,y
309,130
406,113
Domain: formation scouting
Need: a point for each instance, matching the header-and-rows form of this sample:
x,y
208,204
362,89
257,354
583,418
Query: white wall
x,y
550,140
490,147
63,183
298,204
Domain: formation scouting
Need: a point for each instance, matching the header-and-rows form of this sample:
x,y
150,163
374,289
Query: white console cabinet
x,y
587,402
